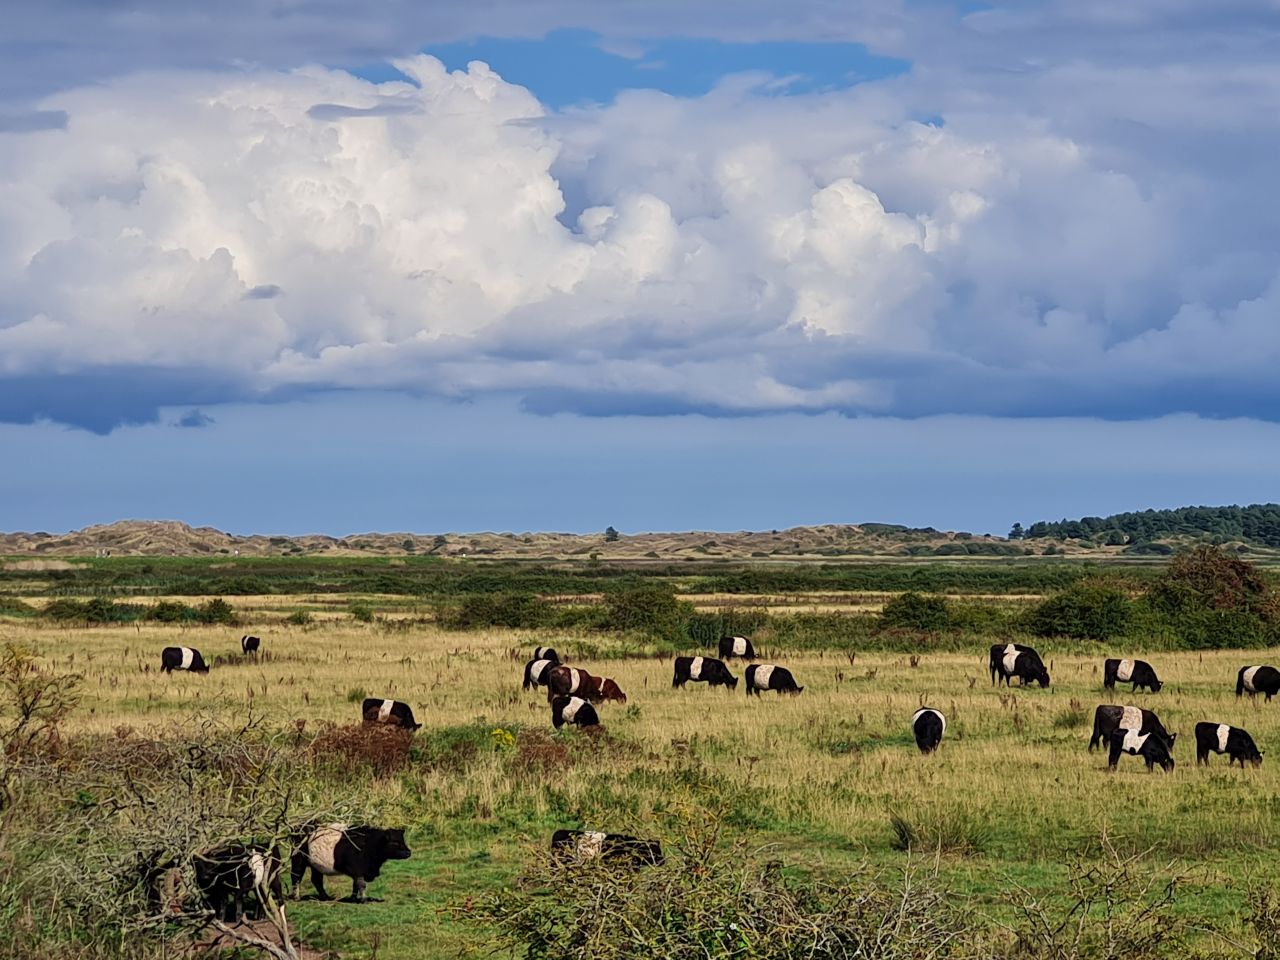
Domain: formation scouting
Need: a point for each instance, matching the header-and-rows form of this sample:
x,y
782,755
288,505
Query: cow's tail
x,y
1240,683
1096,738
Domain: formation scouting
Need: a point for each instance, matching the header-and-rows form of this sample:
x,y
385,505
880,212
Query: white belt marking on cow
x,y
1011,648
590,844
1130,718
258,867
763,673
1124,672
1010,660
571,708
1223,731
695,669
1133,741
1248,678
321,844
921,712
739,646
537,670
574,680
188,658
384,711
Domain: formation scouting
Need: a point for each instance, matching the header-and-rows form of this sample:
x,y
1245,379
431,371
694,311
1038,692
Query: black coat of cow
x,y
737,647
928,726
395,712
535,672
250,644
609,847
1221,738
1255,680
182,658
546,653
233,877
766,676
1137,672
1108,718
1008,660
574,710
703,670
334,849
1151,747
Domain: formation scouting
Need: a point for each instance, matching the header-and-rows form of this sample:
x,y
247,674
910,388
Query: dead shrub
x,y
382,749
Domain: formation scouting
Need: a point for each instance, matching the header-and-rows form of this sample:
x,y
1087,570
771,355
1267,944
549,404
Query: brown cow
x,y
565,681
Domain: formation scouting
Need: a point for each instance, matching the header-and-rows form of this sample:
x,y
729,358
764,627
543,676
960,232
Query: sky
x,y
295,266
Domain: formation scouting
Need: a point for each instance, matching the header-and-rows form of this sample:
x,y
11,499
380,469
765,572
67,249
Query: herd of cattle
x,y
235,875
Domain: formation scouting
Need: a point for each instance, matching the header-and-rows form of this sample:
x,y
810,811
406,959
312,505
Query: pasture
x,y
826,781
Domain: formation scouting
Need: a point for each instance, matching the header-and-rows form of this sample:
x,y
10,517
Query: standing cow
x,y
1220,738
546,653
766,676
1137,672
1107,719
609,847
249,644
737,647
1014,660
182,658
233,875
573,710
1255,680
535,672
565,681
705,670
394,712
334,849
1151,747
928,726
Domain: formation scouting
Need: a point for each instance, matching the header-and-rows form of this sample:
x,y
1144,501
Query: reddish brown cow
x,y
565,681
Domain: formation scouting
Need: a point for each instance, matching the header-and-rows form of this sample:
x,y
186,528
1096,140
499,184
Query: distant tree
x,y
611,535
1016,533
408,545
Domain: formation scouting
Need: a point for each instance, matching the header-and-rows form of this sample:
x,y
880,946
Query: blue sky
x,y
562,264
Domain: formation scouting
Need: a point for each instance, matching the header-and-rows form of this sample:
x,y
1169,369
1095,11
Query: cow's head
x,y
610,691
392,846
1155,686
1040,675
732,683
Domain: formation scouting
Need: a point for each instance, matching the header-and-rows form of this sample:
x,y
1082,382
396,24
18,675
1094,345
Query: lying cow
x,y
1151,747
334,849
250,644
607,847
703,670
737,647
1137,672
1255,680
1107,719
1014,660
182,658
1220,738
928,726
767,676
573,710
565,681
535,672
395,712
234,875
546,653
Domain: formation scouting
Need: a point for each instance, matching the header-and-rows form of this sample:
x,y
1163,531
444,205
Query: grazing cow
x,y
233,875
573,710
535,672
182,658
565,681
737,647
377,710
1151,747
546,653
1255,680
766,676
1107,719
1137,672
703,669
928,725
1220,738
249,644
608,847
1014,660
334,849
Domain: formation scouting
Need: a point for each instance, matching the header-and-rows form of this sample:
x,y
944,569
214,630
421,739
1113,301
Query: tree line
x,y
1257,523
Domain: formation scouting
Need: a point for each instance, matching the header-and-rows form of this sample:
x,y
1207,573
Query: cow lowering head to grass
x,y
737,647
615,848
1256,680
1221,738
182,658
1138,672
394,712
928,726
1010,660
336,849
546,653
573,710
565,681
1108,718
535,673
1151,747
768,676
250,644
703,670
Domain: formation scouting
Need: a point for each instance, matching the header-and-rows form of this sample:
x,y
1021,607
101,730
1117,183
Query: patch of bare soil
x,y
213,940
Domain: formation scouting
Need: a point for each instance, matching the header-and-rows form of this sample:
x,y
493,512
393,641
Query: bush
x,y
299,618
653,610
1092,610
515,610
915,611
13,607
706,628
217,611
361,612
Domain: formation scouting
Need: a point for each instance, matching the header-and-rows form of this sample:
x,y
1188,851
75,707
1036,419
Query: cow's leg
x,y
357,890
317,878
297,870
1114,756
1202,756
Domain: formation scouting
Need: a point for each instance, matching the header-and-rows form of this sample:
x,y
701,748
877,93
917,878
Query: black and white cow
x,y
737,647
1220,738
573,710
703,669
1107,719
182,658
1151,747
1137,672
546,653
394,712
928,725
234,875
1010,660
535,672
336,849
767,676
250,644
1255,680
608,847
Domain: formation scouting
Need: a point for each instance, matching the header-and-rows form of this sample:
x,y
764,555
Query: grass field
x,y
814,780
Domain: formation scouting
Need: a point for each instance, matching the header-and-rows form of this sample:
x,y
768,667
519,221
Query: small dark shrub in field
x,y
362,612
952,831
915,611
1092,611
651,609
13,607
299,618
516,610
706,628
380,748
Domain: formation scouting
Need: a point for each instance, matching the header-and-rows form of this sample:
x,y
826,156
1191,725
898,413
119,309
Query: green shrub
x,y
171,611
1092,611
299,618
650,609
361,612
705,628
217,611
515,610
13,607
915,611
